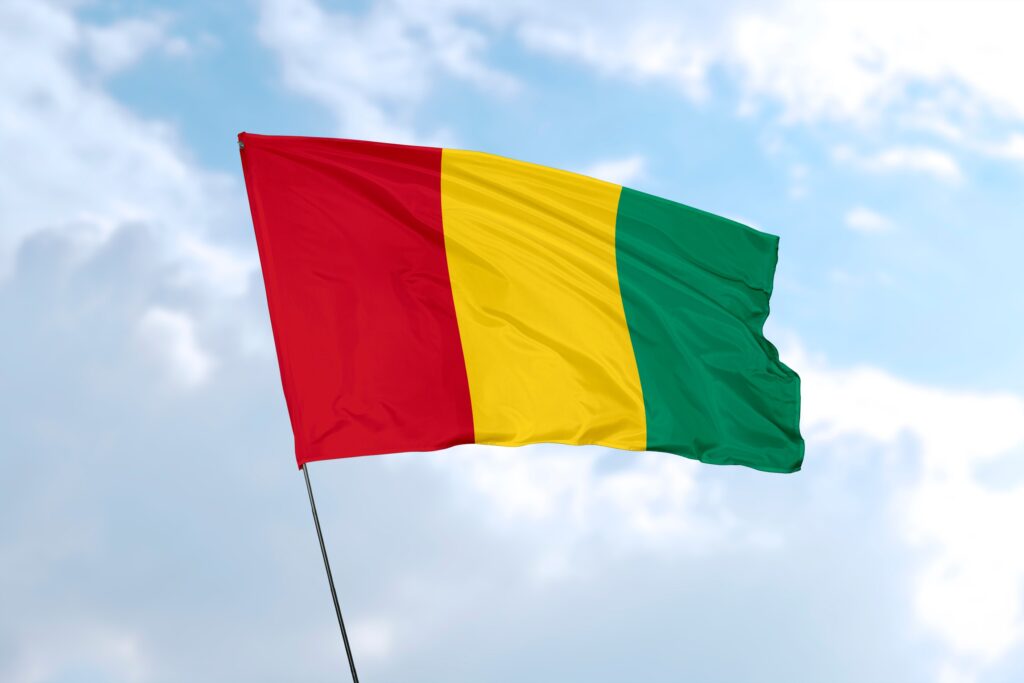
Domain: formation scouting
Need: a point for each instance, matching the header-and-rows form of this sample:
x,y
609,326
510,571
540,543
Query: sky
x,y
154,528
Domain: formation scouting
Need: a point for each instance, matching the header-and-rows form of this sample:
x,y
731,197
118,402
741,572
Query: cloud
x,y
649,501
94,164
624,46
370,637
798,175
850,62
925,160
863,219
372,70
1012,148
171,335
808,62
970,588
620,171
95,650
120,45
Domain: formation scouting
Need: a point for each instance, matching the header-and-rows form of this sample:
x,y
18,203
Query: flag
x,y
422,298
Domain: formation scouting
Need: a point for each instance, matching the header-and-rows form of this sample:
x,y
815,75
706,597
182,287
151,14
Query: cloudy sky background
x,y
153,527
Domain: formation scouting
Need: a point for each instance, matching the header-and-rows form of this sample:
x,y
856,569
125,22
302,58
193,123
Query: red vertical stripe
x,y
352,247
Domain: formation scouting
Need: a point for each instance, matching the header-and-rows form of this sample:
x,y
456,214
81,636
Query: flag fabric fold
x,y
422,298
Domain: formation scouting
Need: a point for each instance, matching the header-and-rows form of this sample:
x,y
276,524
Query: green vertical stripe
x,y
695,288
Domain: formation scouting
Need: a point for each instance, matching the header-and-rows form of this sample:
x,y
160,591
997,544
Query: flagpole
x,y
330,578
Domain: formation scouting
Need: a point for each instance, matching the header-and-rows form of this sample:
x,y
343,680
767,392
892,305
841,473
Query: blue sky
x,y
153,526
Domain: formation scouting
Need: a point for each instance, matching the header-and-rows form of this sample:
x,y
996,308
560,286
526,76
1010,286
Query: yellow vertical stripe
x,y
531,253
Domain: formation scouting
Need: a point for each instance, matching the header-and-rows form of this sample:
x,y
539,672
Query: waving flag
x,y
424,297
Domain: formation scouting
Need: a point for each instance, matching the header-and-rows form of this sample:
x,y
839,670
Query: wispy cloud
x,y
373,70
97,647
838,61
1010,148
171,337
119,45
924,160
624,47
621,171
863,219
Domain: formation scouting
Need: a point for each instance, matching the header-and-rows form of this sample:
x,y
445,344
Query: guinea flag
x,y
424,297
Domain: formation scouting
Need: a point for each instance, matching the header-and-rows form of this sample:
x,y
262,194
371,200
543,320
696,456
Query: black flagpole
x,y
330,579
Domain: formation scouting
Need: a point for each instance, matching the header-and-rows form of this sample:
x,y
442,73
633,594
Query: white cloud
x,y
72,649
950,673
842,61
839,61
970,590
650,501
930,161
620,171
117,46
575,503
863,219
218,268
869,278
925,160
171,335
372,70
640,50
89,162
798,174
1011,148
371,637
